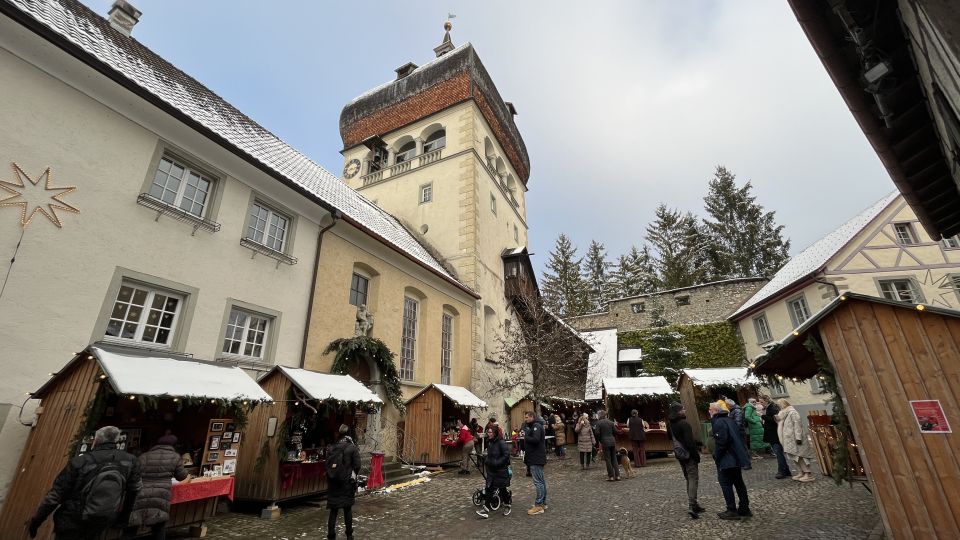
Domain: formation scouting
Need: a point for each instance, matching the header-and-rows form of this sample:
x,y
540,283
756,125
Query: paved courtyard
x,y
584,505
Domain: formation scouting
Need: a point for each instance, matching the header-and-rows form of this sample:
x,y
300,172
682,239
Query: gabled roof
x,y
637,386
813,259
457,394
89,37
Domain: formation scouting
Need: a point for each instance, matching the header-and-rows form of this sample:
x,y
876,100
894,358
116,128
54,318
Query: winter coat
x,y
680,429
606,432
736,414
585,439
157,467
66,496
497,463
754,427
534,445
770,424
560,432
342,493
728,452
635,423
792,428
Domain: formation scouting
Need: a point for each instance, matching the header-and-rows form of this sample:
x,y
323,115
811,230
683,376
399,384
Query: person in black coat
x,y
769,419
497,465
152,507
731,457
638,438
606,434
680,430
342,493
535,457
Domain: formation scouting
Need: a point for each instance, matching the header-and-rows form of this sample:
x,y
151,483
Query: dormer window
x,y
406,152
436,140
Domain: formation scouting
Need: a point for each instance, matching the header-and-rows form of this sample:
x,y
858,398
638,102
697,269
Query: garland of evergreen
x,y
349,351
841,451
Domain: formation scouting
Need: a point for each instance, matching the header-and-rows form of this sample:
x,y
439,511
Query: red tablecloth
x,y
291,472
375,479
204,489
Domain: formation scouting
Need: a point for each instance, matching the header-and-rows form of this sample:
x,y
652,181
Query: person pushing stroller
x,y
498,473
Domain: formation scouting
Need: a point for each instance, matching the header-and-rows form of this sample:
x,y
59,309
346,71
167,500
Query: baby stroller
x,y
478,495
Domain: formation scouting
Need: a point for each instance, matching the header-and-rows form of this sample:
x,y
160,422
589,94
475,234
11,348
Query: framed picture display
x,y
229,466
231,426
213,456
236,437
216,426
214,442
227,435
230,452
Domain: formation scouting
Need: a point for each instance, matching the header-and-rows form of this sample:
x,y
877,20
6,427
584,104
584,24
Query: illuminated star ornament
x,y
31,195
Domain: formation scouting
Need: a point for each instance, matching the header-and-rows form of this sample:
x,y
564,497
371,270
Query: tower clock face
x,y
351,168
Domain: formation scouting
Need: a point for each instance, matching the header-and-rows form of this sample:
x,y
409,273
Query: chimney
x,y
405,70
123,16
511,108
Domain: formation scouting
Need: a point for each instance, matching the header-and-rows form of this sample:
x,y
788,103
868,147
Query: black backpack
x,y
337,467
102,496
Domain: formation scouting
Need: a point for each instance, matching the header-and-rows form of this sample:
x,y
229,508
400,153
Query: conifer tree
x,y
741,239
634,274
597,277
667,354
676,240
564,291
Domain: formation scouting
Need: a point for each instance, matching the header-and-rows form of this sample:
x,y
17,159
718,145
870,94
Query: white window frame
x,y
915,292
817,386
145,308
638,307
446,348
426,193
796,318
229,337
905,234
493,203
757,321
778,388
265,235
366,290
951,242
436,144
408,339
179,194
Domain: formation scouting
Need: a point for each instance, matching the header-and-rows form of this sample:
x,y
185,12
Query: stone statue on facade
x,y
364,325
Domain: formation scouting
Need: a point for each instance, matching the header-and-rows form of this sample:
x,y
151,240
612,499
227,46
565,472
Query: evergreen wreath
x,y
841,469
349,351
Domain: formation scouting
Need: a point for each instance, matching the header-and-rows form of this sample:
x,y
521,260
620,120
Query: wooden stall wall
x,y
263,485
516,413
688,397
45,453
422,426
884,357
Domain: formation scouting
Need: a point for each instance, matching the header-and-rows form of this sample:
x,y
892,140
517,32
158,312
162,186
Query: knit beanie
x,y
723,405
167,440
675,408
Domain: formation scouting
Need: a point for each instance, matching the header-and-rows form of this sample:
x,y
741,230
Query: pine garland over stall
x,y
711,345
349,351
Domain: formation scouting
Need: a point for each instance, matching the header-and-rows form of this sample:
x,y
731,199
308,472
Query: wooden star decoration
x,y
22,194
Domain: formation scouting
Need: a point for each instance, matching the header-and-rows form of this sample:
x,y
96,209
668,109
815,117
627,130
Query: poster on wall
x,y
930,416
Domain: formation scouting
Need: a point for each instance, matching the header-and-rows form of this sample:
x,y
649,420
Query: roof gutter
x,y
810,16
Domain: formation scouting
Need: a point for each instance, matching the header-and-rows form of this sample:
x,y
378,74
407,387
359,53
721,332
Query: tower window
x,y
436,140
426,193
406,152
493,203
516,234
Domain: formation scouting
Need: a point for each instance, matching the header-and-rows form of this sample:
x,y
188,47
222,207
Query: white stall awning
x,y
324,386
637,386
457,394
735,377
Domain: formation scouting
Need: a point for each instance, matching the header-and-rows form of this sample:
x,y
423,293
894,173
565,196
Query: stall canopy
x,y
637,386
324,386
630,355
733,377
457,394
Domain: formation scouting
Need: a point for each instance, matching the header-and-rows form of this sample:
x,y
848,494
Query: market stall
x,y
895,368
287,441
569,408
147,396
651,397
698,387
430,422
516,408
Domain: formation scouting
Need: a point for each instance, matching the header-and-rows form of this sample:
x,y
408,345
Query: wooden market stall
x,y
569,408
287,441
651,397
147,396
515,410
897,370
430,417
698,387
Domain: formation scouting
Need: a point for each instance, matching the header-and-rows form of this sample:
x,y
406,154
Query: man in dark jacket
x,y
606,434
342,490
680,430
157,467
67,495
497,464
638,438
535,458
730,456
769,419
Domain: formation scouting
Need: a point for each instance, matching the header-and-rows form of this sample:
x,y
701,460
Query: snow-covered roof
x,y
457,394
165,376
603,360
637,386
131,60
735,377
324,386
630,355
817,255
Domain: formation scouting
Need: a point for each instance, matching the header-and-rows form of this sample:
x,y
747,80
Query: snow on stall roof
x,y
323,386
637,386
817,255
630,355
166,376
132,60
721,377
603,360
461,396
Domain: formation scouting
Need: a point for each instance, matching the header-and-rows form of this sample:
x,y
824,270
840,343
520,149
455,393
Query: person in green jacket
x,y
754,426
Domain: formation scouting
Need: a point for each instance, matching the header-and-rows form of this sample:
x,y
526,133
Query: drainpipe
x,y
336,214
836,291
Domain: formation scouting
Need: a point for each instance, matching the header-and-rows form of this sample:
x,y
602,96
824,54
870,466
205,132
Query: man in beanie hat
x,y
681,433
343,465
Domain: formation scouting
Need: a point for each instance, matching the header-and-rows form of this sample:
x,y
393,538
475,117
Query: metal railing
x,y
402,167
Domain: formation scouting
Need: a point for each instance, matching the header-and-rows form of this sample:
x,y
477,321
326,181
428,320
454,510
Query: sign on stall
x,y
930,416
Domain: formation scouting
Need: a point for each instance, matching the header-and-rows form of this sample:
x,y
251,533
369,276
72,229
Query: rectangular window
x,y
762,327
144,314
516,234
446,348
435,143
799,311
493,203
180,186
426,193
903,290
817,386
952,242
905,235
358,290
268,227
638,307
777,388
246,334
682,300
408,341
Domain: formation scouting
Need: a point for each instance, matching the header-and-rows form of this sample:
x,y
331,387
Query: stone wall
x,y
700,304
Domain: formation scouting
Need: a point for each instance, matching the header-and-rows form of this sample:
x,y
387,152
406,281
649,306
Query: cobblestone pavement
x,y
582,504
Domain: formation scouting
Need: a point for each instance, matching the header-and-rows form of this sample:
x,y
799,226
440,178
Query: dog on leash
x,y
623,458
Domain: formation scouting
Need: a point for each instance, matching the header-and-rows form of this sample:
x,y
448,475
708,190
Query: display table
x,y
293,471
202,488
657,440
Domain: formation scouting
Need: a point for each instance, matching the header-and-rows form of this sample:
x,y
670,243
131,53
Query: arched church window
x,y
406,152
437,139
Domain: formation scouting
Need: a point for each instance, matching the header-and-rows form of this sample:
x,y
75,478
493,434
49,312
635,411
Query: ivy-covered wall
x,y
711,345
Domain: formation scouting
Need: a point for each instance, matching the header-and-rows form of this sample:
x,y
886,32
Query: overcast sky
x,y
622,105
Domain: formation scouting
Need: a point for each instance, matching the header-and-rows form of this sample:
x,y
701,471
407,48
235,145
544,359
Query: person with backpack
x,y
497,464
686,449
152,507
94,491
731,457
343,465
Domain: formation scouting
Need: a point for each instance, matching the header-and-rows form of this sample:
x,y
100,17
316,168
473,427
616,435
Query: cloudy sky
x,y
622,105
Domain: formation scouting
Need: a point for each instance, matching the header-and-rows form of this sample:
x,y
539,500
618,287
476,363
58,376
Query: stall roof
x,y
637,386
737,376
630,355
457,394
324,386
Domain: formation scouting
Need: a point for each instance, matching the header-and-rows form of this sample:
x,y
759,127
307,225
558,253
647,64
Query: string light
x,y
133,397
53,205
176,400
102,376
921,307
843,298
89,357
